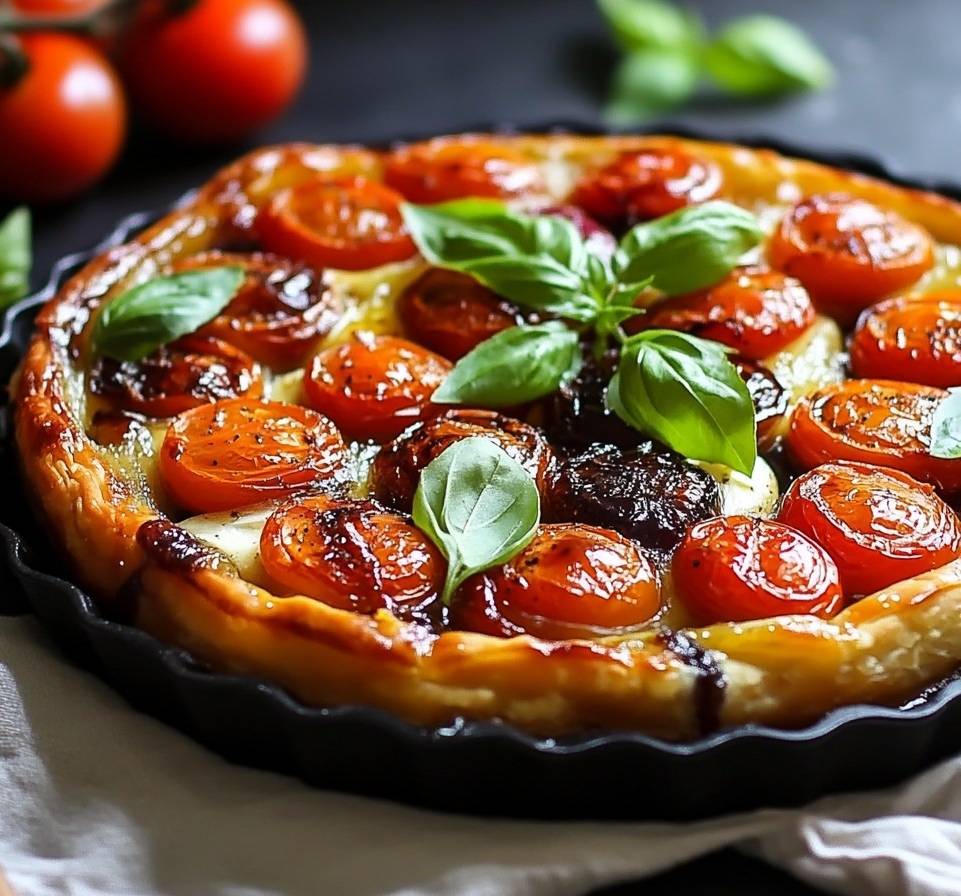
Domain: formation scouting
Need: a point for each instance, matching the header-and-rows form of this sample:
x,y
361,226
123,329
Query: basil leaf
x,y
478,505
648,82
15,256
685,392
647,24
946,426
763,54
516,365
156,312
688,249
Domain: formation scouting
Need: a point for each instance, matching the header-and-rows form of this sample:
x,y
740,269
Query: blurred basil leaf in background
x,y
651,81
651,24
15,256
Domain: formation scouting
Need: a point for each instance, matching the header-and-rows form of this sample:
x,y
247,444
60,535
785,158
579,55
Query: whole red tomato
x,y
217,71
62,124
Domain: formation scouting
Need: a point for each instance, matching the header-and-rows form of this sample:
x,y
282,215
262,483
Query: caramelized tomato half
x,y
346,223
879,525
453,168
737,568
571,581
373,387
451,313
911,337
849,253
280,312
875,421
354,555
191,371
754,311
771,400
638,186
225,455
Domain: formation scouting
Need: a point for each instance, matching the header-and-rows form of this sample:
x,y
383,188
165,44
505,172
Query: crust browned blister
x,y
786,671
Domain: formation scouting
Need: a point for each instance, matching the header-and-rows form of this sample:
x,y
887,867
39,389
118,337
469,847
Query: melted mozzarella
x,y
236,533
755,495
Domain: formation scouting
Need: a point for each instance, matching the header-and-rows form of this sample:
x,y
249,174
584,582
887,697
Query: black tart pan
x,y
474,767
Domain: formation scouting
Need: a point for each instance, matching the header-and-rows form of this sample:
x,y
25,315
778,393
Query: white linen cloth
x,y
98,800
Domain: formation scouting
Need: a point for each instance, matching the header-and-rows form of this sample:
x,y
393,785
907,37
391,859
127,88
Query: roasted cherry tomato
x,y
598,239
218,69
62,123
456,167
649,183
917,338
571,581
231,453
354,555
192,371
347,223
849,253
58,8
451,313
879,525
771,400
754,311
280,312
875,421
737,568
397,467
373,387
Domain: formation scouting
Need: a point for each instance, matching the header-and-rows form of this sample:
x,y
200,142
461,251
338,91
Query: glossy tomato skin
x,y
354,555
348,223
458,167
771,400
396,469
192,371
57,8
62,124
232,453
374,387
849,253
879,422
912,337
219,70
754,311
879,525
451,313
738,568
645,184
571,581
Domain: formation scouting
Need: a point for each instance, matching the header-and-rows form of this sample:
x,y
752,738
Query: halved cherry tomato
x,y
879,525
354,555
737,568
598,239
192,371
754,311
280,312
771,400
849,253
348,223
911,337
457,167
649,183
875,421
451,313
571,581
373,387
231,453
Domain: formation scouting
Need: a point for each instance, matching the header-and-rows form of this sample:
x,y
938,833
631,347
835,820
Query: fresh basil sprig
x,y
15,256
946,426
154,313
684,391
478,505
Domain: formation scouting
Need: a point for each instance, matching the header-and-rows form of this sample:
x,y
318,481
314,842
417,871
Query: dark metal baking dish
x,y
486,767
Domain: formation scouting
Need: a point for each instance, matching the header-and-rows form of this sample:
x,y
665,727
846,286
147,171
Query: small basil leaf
x,y
684,391
156,312
649,82
646,24
763,54
478,505
15,256
688,249
516,365
946,426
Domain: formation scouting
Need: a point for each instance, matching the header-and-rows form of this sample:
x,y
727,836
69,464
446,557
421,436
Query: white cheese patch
x,y
236,533
754,495
813,360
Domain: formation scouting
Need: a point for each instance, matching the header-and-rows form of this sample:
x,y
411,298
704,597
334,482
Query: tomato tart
x,y
633,433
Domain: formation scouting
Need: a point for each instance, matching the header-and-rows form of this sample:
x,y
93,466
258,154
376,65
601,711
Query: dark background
x,y
382,69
